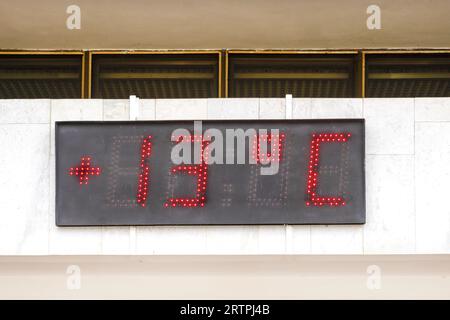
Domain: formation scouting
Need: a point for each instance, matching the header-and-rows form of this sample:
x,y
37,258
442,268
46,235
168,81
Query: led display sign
x,y
213,172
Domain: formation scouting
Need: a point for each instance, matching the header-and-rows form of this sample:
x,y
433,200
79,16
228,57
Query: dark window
x,y
155,76
40,76
407,75
307,75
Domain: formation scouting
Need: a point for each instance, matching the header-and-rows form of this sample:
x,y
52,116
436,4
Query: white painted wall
x,y
407,172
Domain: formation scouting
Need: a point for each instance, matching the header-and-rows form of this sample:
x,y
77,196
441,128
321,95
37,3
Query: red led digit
x,y
200,170
84,170
143,179
275,151
313,173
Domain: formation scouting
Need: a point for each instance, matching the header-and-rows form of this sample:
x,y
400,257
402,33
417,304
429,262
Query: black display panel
x,y
122,173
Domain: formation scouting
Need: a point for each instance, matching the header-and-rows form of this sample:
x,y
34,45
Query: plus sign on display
x,y
84,170
210,172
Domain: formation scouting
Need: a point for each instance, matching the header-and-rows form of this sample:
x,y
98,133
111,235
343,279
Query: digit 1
x,y
313,173
200,170
143,178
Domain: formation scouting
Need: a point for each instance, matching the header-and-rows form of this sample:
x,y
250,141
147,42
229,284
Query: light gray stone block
x,y
24,183
389,126
235,108
116,241
337,239
301,108
312,108
336,108
75,240
432,177
432,109
390,221
171,240
147,109
298,239
116,109
232,239
272,108
76,109
181,109
24,111
271,240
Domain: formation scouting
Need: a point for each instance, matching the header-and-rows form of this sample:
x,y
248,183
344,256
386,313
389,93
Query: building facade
x,y
229,61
